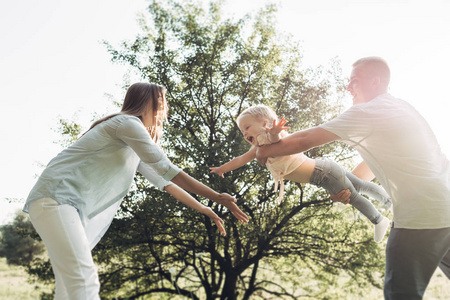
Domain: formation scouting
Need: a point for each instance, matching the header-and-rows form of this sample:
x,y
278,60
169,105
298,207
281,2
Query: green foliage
x,y
213,69
17,243
70,132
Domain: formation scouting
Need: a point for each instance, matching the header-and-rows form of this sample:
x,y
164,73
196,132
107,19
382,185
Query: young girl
x,y
324,173
75,198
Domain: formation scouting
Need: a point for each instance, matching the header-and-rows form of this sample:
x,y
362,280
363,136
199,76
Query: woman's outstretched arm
x,y
194,186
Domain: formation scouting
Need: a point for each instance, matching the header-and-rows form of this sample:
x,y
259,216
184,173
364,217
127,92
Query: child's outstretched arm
x,y
235,163
184,197
274,132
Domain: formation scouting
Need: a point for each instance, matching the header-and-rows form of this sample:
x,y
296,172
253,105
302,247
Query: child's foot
x,y
380,229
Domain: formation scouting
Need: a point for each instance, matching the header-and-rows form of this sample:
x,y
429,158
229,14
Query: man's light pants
x,y
60,227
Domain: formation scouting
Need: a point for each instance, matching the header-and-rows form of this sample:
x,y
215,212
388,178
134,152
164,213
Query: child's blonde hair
x,y
259,112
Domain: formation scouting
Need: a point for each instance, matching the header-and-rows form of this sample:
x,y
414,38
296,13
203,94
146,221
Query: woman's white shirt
x,y
96,172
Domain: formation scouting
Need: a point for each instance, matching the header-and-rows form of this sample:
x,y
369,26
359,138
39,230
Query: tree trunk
x,y
229,288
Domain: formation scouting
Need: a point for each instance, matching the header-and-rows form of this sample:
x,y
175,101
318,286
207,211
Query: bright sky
x,y
53,65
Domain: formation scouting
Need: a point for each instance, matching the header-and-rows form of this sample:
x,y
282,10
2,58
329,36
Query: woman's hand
x,y
213,216
230,202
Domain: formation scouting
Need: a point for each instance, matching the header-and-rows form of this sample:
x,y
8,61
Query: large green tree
x,y
213,68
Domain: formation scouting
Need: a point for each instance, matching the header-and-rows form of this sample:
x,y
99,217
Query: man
x,y
399,147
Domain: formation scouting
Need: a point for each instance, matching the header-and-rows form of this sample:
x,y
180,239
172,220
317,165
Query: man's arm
x,y
300,141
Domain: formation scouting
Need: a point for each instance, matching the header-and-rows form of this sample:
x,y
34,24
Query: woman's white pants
x,y
60,227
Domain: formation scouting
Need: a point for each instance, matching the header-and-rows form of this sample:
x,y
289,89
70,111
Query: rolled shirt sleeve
x,y
152,176
133,133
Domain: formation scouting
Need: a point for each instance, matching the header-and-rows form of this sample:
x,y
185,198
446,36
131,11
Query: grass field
x,y
15,286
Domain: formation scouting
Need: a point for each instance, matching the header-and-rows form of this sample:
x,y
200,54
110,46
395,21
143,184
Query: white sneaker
x,y
380,229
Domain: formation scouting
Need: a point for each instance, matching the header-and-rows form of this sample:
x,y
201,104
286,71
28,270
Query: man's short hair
x,y
375,66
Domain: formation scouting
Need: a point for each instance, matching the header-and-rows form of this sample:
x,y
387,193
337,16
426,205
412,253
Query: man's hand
x,y
260,157
230,202
343,196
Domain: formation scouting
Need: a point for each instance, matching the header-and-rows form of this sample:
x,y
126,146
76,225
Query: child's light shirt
x,y
280,166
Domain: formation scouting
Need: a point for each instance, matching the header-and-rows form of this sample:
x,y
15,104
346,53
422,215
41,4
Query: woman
x,y
77,195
